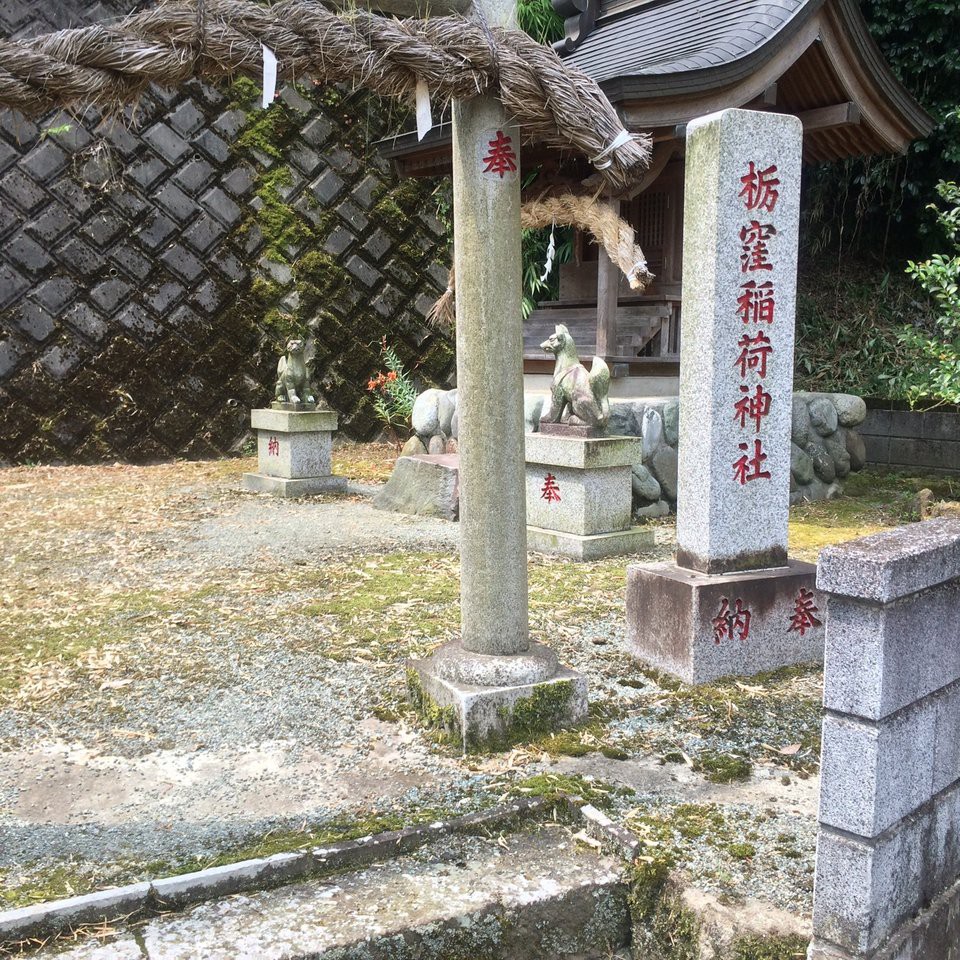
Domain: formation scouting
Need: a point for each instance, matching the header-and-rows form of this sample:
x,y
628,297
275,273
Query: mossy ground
x,y
63,631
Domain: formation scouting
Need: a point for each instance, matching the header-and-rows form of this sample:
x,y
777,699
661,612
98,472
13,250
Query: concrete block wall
x,y
140,289
888,853
925,440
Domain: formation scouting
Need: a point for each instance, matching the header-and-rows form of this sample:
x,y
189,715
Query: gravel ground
x,y
190,669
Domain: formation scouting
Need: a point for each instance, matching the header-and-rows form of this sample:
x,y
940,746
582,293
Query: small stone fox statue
x,y
578,398
295,375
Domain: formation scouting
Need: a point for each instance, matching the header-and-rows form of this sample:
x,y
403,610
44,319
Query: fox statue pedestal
x,y
294,448
579,495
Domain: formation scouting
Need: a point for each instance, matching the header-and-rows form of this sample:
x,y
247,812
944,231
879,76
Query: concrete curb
x,y
45,920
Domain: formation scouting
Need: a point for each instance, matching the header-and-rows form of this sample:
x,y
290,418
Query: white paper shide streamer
x,y
269,75
551,253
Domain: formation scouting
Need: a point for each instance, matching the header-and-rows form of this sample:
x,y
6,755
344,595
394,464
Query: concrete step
x,y
529,895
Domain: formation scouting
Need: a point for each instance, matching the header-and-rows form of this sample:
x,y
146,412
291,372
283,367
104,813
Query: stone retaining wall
x,y
148,268
888,855
927,440
826,446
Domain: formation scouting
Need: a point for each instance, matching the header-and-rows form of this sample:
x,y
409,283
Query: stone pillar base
x,y
294,451
285,487
593,547
699,627
489,702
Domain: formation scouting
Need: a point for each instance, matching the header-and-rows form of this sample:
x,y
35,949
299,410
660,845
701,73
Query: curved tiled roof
x,y
678,36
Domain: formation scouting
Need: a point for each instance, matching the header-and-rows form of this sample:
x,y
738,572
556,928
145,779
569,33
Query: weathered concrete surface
x,y
533,894
424,485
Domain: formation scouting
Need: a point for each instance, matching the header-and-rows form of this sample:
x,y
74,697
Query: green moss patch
x,y
557,788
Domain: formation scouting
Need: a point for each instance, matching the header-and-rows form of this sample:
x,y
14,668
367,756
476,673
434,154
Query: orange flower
x,y
392,375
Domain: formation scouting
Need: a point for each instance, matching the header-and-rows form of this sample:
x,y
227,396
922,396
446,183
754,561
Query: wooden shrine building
x,y
663,63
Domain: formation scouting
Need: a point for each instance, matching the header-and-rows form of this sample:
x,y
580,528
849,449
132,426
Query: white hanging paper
x,y
424,117
269,76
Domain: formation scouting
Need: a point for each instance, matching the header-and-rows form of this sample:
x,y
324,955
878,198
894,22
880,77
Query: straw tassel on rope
x,y
613,233
554,103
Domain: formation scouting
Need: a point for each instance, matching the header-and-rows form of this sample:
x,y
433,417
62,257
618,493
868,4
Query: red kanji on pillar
x,y
502,159
757,303
754,352
804,613
748,467
759,188
273,447
756,253
752,406
550,490
731,621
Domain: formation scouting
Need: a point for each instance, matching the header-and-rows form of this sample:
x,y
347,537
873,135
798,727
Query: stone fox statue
x,y
295,375
577,397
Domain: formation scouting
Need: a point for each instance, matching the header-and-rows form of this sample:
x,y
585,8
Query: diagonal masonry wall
x,y
888,855
139,318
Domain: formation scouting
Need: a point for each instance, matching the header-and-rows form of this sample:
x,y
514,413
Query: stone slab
x,y
282,487
295,456
593,547
485,716
695,626
881,659
289,421
297,407
740,236
872,776
426,485
864,891
578,501
582,453
934,933
43,919
890,565
569,430
538,895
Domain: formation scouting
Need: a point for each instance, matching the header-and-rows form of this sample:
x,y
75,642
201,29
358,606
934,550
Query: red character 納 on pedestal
x,y
273,447
730,621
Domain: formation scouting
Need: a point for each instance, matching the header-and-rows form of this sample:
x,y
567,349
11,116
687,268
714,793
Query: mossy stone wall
x,y
150,272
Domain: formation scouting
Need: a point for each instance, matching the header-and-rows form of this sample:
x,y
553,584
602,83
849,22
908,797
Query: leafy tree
x,y
936,373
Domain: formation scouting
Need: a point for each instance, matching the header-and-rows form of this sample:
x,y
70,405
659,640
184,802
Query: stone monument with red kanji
x,y
732,603
295,434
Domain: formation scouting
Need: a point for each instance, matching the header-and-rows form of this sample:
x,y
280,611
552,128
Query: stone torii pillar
x,y
479,680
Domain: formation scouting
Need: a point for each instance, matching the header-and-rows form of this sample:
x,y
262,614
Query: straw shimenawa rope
x,y
111,64
614,234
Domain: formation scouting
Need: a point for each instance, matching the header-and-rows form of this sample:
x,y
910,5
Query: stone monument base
x,y
700,627
294,451
590,547
286,487
580,495
485,702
